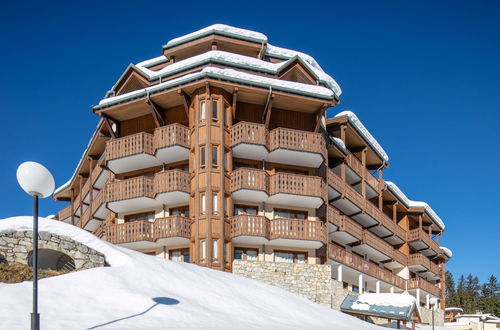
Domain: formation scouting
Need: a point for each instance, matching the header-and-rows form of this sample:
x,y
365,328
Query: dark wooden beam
x,y
155,111
235,99
269,110
319,116
186,100
108,121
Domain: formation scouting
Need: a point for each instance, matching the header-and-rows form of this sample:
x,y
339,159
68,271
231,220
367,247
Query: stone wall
x,y
15,247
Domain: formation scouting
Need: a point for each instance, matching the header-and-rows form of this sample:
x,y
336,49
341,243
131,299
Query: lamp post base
x,y
35,321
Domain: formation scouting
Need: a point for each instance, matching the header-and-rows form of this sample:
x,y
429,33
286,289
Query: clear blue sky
x,y
422,76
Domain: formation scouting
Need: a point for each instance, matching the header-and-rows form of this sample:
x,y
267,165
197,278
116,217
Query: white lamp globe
x,y
433,301
35,179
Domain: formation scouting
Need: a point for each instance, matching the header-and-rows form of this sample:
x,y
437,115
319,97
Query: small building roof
x,y
386,305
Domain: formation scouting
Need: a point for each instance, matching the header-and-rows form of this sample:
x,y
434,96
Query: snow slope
x,y
144,292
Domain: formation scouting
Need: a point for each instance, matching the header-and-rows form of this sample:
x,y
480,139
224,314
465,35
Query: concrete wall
x,y
15,247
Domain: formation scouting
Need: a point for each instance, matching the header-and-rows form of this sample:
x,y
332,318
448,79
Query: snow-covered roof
x,y
80,162
339,143
365,134
236,60
226,74
220,29
446,251
391,305
164,294
409,203
454,309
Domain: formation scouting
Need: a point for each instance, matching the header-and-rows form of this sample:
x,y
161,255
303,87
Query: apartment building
x,y
220,149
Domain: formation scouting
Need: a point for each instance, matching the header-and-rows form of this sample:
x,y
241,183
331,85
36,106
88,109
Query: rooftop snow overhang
x,y
447,252
219,29
320,93
356,305
415,204
363,132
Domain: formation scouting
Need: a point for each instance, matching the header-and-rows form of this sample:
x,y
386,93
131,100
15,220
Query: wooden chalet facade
x,y
219,150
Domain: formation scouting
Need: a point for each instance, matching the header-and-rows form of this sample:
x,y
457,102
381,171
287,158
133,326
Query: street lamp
x,y
433,301
37,181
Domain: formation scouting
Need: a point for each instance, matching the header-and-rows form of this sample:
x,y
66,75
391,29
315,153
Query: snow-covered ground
x,y
144,292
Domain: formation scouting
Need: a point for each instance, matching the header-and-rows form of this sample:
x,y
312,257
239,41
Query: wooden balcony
x,y
377,243
294,229
169,230
140,143
251,133
171,227
303,141
417,236
141,186
419,260
400,257
344,223
355,262
173,180
249,229
363,172
285,189
420,283
171,143
130,232
248,178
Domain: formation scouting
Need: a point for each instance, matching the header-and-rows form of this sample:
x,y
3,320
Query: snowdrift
x,y
139,291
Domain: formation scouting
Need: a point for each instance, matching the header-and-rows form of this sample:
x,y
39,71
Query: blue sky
x,y
422,76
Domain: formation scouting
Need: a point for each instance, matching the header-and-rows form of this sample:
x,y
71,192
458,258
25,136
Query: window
x,y
203,203
181,255
290,257
224,161
289,214
215,252
355,288
182,211
203,112
245,254
214,203
148,216
225,207
243,209
203,250
224,115
215,116
214,156
202,157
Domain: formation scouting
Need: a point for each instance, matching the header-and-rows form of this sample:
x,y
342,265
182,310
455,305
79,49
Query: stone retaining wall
x,y
15,247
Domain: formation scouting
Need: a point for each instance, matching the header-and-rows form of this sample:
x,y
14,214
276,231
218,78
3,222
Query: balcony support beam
x,y
235,100
186,100
155,112
268,110
319,117
109,125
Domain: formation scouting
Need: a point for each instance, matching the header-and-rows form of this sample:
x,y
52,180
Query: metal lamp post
x,y
37,181
433,301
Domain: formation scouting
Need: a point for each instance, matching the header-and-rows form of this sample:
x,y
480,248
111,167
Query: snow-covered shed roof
x,y
458,309
365,134
409,203
388,305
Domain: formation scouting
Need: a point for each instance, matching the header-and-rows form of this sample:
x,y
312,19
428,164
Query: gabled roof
x,y
387,305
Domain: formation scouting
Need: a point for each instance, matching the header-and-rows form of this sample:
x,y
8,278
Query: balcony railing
x,y
249,178
130,232
297,229
251,133
298,140
175,226
296,184
141,186
173,180
400,257
65,213
148,231
419,235
420,283
362,171
366,267
249,225
420,259
335,181
344,223
130,145
376,242
171,135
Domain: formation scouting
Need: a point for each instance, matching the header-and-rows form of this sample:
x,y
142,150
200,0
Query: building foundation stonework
x,y
16,247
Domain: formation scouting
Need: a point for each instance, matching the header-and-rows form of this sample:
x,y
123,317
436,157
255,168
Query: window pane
x,y
202,112
252,255
214,203
283,257
202,151
282,215
175,256
214,110
214,156
225,114
203,249
215,252
238,254
203,204
301,258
